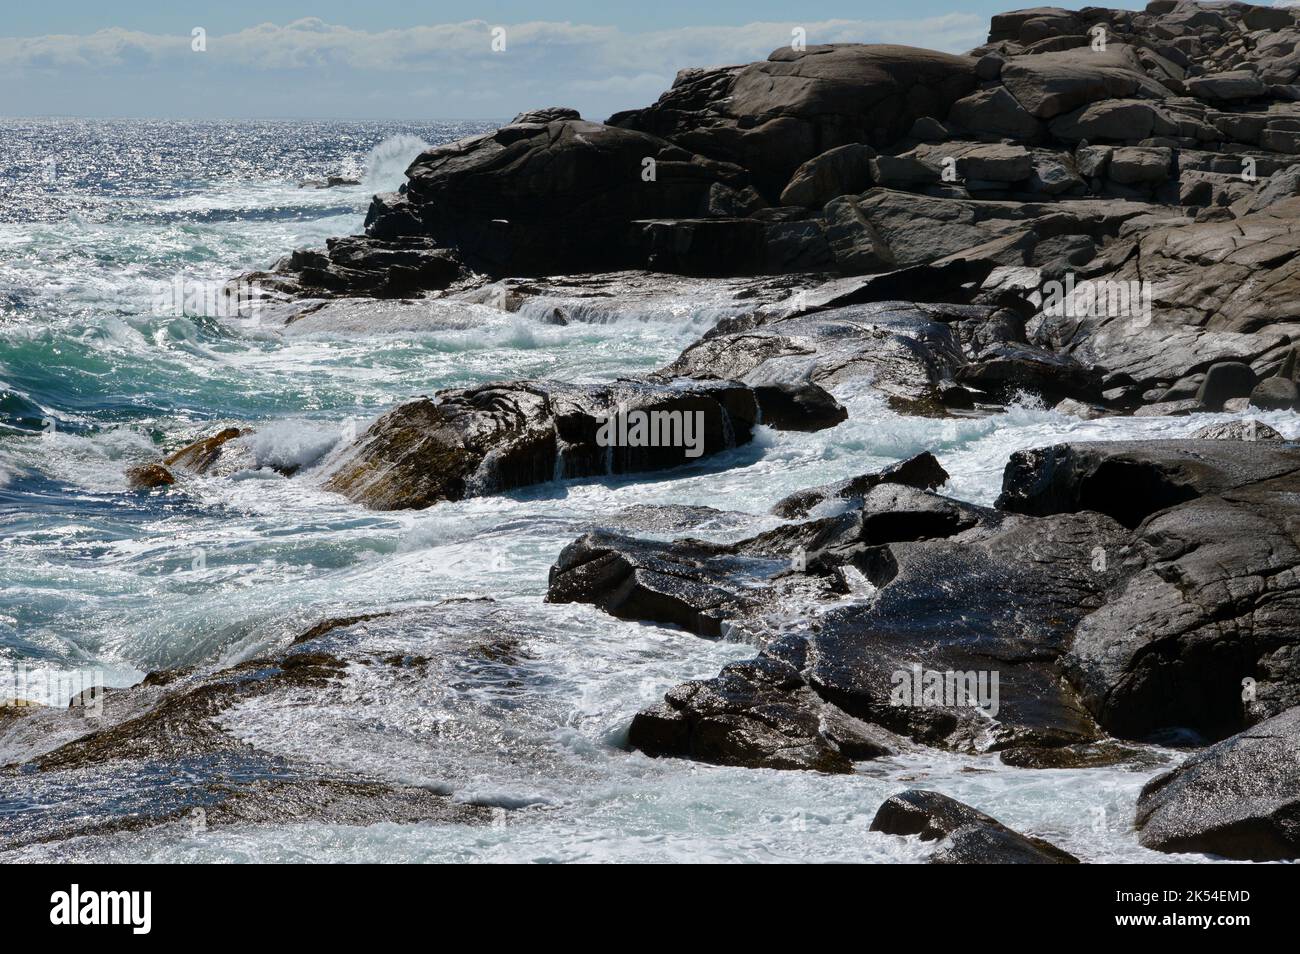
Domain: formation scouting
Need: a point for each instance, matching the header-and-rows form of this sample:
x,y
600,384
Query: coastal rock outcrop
x,y
906,585
1144,150
1206,607
1239,798
1122,589
167,752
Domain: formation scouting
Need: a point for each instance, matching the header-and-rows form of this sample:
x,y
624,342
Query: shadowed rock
x,y
1211,590
534,198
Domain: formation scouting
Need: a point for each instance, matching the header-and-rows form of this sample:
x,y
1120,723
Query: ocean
x,y
95,214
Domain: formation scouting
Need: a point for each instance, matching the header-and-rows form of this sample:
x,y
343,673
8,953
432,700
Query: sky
x,y
411,60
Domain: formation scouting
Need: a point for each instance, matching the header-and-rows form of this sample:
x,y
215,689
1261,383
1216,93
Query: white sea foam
x,y
92,574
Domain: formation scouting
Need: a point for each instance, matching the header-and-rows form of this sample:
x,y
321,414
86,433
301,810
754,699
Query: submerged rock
x,y
149,477
212,454
175,750
969,836
922,471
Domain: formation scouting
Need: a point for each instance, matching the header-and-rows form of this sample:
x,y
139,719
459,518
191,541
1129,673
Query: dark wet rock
x,y
690,586
149,477
1237,799
1157,578
537,198
790,406
1086,755
756,714
970,836
1006,369
322,628
984,844
664,518
934,586
494,438
1211,588
361,266
203,456
922,471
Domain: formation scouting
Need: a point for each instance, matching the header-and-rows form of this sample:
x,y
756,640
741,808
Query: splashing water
x,y
93,575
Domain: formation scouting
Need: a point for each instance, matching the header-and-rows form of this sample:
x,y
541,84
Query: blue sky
x,y
385,59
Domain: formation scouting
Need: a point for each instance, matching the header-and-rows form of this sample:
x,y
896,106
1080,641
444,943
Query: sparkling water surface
x,y
93,214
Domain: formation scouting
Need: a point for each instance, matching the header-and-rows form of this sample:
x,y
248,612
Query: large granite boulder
x,y
1049,84
1211,581
1203,283
772,116
534,198
905,351
1237,799
474,441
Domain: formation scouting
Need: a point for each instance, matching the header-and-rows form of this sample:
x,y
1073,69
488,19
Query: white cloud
x,y
600,68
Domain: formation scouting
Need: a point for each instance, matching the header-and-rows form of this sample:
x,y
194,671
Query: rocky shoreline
x,y
1097,208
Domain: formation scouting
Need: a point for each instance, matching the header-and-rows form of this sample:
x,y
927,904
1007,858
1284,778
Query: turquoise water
x,y
92,381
